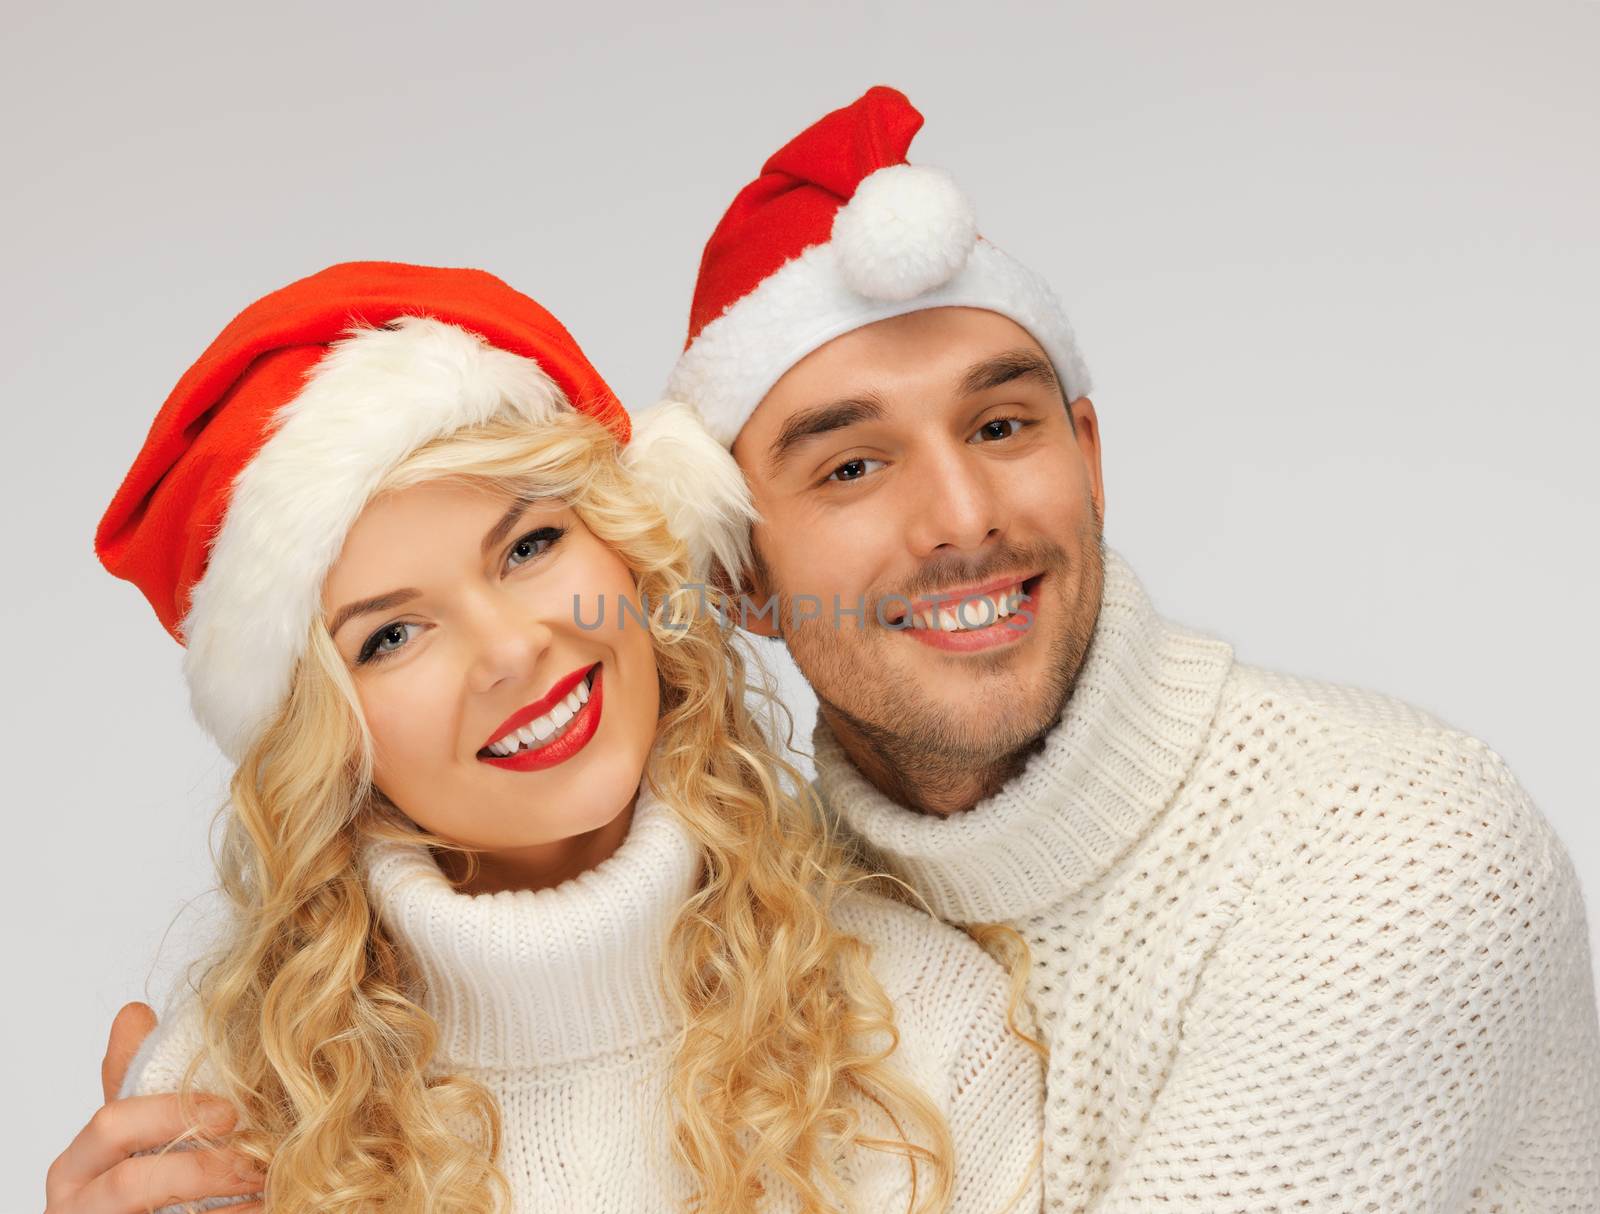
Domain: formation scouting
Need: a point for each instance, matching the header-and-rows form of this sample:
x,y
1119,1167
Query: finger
x,y
135,1123
148,1182
128,1031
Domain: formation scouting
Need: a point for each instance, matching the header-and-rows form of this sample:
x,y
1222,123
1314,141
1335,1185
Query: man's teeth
x,y
540,729
973,611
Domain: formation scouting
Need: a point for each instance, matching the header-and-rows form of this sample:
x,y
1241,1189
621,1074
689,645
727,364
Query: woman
x,y
524,907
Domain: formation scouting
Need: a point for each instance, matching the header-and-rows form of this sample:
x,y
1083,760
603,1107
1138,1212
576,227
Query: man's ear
x,y
1086,433
757,610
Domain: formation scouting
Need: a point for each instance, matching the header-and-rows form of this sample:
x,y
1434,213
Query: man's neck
x,y
929,782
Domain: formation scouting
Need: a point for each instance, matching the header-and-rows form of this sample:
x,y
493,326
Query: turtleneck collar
x,y
1130,731
529,978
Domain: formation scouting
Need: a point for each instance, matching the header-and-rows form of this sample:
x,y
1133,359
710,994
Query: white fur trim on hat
x,y
697,485
377,396
906,229
808,302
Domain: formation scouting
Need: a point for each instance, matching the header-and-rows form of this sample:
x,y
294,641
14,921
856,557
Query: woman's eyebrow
x,y
378,602
394,598
507,521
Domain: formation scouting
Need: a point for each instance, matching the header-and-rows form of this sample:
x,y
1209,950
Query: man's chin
x,y
961,732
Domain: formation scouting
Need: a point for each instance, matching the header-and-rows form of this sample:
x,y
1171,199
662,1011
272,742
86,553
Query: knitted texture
x,y
1296,946
552,999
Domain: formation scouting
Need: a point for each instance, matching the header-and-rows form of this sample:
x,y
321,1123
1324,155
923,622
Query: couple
x,y
527,906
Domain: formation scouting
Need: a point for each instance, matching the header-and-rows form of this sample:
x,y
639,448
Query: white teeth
x,y
971,612
538,731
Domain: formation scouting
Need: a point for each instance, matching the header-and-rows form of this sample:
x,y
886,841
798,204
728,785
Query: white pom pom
x,y
908,229
696,483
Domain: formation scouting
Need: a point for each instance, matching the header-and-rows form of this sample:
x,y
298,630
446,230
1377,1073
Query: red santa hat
x,y
271,444
837,232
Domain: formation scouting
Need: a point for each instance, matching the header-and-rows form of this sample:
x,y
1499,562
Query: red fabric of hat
x,y
792,204
837,232
157,531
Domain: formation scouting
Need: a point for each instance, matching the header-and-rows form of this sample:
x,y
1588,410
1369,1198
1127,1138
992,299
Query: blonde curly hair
x,y
312,1021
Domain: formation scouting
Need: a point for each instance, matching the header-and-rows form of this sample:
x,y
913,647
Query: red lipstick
x,y
575,734
563,687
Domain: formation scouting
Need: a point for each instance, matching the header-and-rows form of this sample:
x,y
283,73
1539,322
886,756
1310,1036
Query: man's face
x,y
923,459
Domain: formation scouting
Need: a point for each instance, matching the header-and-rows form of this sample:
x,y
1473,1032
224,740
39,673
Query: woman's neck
x,y
541,866
533,978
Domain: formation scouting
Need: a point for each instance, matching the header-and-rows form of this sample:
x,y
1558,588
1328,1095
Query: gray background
x,y
1333,268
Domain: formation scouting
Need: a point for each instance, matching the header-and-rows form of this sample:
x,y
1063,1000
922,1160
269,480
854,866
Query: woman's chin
x,y
492,809
577,798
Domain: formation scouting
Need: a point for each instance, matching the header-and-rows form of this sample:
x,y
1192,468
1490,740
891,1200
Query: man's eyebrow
x,y
810,423
1004,368
378,602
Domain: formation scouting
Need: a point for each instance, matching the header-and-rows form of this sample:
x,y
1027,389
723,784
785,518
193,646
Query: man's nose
x,y
507,639
952,504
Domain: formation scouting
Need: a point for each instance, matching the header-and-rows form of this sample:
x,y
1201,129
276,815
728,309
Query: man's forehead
x,y
924,344
866,373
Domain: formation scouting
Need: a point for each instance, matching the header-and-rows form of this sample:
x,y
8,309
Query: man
x,y
1294,946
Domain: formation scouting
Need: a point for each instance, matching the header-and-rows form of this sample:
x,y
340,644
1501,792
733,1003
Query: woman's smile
x,y
553,728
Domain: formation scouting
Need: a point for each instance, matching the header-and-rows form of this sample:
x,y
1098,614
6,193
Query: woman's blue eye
x,y
535,543
391,638
373,649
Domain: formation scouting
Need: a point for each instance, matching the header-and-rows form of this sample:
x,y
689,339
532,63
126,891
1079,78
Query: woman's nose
x,y
507,641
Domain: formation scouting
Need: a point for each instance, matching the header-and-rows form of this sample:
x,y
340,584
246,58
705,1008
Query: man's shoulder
x,y
1320,711
1325,735
1374,799
1360,782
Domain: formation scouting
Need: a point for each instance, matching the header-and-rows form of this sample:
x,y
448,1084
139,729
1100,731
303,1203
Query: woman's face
x,y
457,610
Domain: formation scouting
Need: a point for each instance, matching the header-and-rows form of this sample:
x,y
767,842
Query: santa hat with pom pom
x,y
837,232
265,453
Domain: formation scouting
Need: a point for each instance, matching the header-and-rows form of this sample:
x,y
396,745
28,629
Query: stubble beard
x,y
911,749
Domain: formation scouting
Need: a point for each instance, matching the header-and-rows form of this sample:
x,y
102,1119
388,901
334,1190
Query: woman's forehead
x,y
409,529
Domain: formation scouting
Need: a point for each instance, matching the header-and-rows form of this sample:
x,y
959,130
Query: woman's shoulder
x,y
927,968
958,1039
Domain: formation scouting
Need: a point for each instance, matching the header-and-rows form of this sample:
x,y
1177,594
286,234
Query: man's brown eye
x,y
852,470
1000,427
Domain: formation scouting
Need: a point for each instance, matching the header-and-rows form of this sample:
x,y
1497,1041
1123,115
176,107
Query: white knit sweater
x,y
1296,947
552,1000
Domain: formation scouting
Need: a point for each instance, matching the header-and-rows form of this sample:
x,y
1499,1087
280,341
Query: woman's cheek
x,y
409,730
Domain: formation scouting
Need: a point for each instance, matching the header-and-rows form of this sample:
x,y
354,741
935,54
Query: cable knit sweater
x,y
552,999
1296,946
